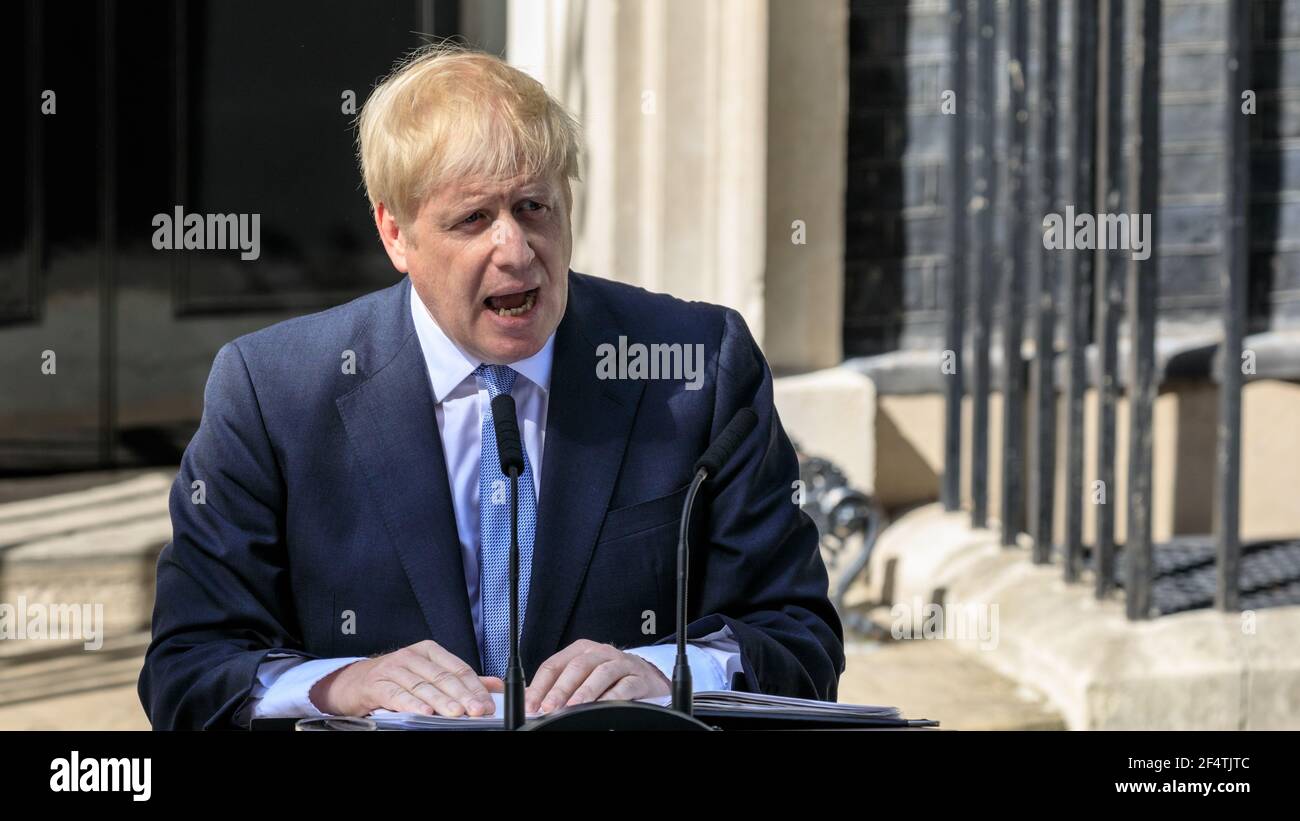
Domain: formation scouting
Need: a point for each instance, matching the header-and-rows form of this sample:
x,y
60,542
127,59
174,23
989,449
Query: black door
x,y
129,110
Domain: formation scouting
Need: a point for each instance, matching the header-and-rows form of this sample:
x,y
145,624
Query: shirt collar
x,y
449,365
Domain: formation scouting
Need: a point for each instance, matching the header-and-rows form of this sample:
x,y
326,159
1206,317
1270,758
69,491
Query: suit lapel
x,y
393,430
587,426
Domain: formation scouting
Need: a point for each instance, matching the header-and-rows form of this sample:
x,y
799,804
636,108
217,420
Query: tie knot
x,y
499,379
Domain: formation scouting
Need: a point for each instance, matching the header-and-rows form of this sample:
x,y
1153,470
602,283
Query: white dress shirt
x,y
460,400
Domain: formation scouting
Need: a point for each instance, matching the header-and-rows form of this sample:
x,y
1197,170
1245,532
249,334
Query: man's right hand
x,y
422,678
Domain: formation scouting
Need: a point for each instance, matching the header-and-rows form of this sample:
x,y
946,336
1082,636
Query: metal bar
x,y
1079,275
35,181
180,263
1236,191
958,205
1110,283
1013,299
108,235
1042,480
1144,285
984,271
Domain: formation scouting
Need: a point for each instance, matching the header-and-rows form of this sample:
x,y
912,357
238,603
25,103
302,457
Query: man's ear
x,y
396,239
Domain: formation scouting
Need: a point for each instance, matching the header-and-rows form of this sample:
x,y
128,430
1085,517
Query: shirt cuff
x,y
709,662
283,686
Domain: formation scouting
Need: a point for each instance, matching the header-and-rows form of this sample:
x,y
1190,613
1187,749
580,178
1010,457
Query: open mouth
x,y
515,304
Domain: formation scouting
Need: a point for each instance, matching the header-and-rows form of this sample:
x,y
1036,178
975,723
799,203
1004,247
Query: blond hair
x,y
448,113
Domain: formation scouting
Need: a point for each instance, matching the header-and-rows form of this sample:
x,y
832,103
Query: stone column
x,y
708,132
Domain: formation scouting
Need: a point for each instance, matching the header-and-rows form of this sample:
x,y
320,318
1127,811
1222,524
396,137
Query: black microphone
x,y
725,445
511,451
712,462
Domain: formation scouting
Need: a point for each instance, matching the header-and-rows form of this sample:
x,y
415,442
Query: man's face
x,y
490,259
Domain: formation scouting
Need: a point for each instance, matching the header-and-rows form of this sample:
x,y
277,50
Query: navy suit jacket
x,y
325,492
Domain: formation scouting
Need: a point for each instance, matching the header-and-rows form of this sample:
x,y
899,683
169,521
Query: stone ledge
x,y
1196,670
1183,357
98,545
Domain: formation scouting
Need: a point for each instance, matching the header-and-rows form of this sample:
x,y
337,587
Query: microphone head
x,y
722,449
509,445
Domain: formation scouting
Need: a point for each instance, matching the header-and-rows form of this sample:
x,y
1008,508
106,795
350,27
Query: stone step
x,y
97,545
934,679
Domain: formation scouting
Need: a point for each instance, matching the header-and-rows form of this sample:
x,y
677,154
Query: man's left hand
x,y
589,671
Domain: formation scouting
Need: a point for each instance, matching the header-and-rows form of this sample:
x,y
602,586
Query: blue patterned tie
x,y
494,530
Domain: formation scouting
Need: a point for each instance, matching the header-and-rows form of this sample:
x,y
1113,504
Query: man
x,y
340,529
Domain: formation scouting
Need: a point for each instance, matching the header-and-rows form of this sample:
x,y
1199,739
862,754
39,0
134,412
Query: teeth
x,y
522,309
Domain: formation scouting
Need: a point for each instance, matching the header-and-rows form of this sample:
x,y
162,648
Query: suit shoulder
x,y
648,313
328,330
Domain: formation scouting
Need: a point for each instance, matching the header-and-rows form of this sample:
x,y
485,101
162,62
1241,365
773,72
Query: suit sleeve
x,y
758,569
223,602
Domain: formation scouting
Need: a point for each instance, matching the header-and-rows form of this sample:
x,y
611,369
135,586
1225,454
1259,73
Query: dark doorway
x,y
230,107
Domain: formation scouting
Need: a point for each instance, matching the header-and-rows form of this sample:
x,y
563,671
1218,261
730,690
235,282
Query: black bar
x,y
985,270
1079,276
1042,480
958,205
1236,240
180,263
108,237
1110,282
1013,300
1144,286
35,183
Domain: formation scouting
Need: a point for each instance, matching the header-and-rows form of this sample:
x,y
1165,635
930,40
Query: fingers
x,y
574,674
452,676
460,683
602,677
628,688
425,678
545,677
410,687
403,701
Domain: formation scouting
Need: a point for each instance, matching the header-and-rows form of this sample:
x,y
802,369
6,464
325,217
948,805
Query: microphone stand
x,y
682,682
514,717
608,715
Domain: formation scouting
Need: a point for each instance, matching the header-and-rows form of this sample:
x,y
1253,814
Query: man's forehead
x,y
478,187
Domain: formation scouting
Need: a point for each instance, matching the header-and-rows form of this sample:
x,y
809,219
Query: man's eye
x,y
472,218
532,205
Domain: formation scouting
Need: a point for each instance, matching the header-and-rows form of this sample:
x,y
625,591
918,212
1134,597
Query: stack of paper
x,y
715,702
389,720
726,701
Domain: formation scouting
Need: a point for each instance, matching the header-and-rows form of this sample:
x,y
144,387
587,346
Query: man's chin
x,y
502,350
502,340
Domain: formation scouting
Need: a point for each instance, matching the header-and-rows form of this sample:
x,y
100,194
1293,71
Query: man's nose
x,y
511,250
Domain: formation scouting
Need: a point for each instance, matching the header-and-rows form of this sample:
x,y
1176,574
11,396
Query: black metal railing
x,y
1236,183
1104,92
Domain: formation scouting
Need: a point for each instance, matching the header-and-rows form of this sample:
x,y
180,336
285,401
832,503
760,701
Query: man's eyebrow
x,y
478,197
541,189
